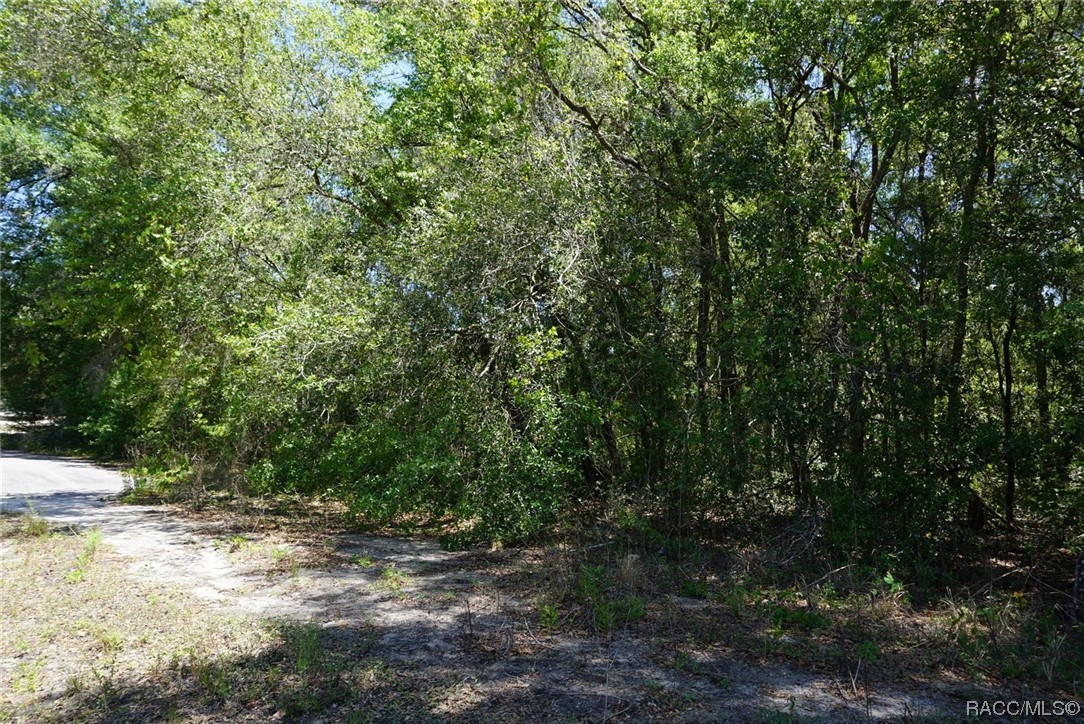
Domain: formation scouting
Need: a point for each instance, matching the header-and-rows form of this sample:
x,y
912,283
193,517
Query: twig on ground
x,y
829,574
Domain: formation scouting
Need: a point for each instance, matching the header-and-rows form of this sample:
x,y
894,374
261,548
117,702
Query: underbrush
x,y
993,610
1000,624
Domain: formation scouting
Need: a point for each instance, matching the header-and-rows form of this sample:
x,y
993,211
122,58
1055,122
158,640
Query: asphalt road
x,y
54,486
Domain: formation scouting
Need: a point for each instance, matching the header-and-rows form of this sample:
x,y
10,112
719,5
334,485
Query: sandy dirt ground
x,y
444,612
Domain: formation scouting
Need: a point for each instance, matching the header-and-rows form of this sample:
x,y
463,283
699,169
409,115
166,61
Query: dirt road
x,y
444,615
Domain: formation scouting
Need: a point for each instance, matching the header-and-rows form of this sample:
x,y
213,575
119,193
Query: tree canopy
x,y
521,263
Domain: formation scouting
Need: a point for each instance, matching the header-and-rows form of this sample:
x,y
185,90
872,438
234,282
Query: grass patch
x,y
91,540
110,649
1006,627
392,580
265,555
25,524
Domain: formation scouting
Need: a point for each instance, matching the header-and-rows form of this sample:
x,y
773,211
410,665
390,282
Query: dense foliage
x,y
519,262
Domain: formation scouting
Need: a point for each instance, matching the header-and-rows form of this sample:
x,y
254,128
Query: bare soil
x,y
405,631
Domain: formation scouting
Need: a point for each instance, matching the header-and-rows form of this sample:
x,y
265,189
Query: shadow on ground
x,y
343,673
397,629
412,633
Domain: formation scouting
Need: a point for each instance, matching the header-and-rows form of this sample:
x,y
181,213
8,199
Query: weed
x,y
27,524
894,587
392,580
1049,663
26,676
213,678
548,616
802,619
105,676
34,526
234,544
305,647
91,540
605,615
630,572
693,588
737,599
393,577
869,652
633,608
75,685
438,597
684,662
109,639
784,717
591,582
284,558
363,561
611,613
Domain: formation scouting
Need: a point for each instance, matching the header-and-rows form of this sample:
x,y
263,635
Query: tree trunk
x,y
705,230
968,233
1042,393
1007,412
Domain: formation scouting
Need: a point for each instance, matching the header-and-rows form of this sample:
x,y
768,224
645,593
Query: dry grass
x,y
99,647
849,624
766,603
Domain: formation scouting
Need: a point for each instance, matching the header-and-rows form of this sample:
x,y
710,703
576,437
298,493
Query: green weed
x,y
548,616
392,580
306,647
25,676
91,540
693,588
591,582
